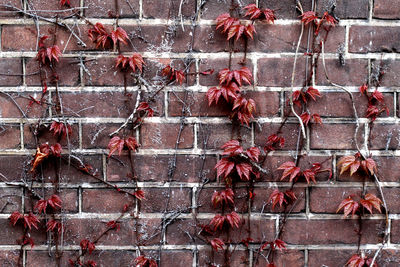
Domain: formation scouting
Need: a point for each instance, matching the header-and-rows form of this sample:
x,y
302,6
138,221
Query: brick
x,y
338,104
157,200
395,231
168,9
384,136
208,257
364,39
104,201
154,135
44,135
332,232
261,230
278,72
169,258
176,233
13,166
107,9
354,72
212,9
10,199
390,69
386,9
284,38
207,39
112,257
154,168
390,258
158,38
69,198
37,258
10,134
205,200
9,13
67,71
9,258
219,134
9,234
8,109
96,135
53,5
335,136
388,168
317,258
289,132
10,67
293,258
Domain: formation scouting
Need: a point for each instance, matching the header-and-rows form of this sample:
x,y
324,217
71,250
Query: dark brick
x,y
335,136
219,134
318,258
176,258
208,257
289,132
8,109
39,5
11,136
103,9
391,69
10,199
41,258
154,135
332,232
10,68
261,200
354,72
386,9
384,136
278,72
105,258
345,9
212,9
14,167
292,258
157,200
44,135
97,135
395,232
9,233
364,39
9,258
104,200
9,13
168,9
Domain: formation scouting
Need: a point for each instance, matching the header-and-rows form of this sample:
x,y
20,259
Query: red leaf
x,y
61,129
308,17
115,144
378,96
305,117
289,169
54,201
30,220
39,157
363,88
131,143
317,118
313,93
347,162
233,219
225,21
65,3
232,148
279,244
253,153
224,167
139,194
144,106
309,175
355,261
253,11
15,217
28,241
244,169
371,201
136,61
56,150
91,263
119,35
274,141
217,244
114,225
53,225
369,165
41,206
225,196
87,245
277,197
217,222
349,206
142,261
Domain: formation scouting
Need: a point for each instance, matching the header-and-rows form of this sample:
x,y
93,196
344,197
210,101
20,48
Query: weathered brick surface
x,y
180,145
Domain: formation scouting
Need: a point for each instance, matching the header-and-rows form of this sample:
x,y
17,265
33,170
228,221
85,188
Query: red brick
x,y
9,258
388,168
364,39
44,135
97,135
384,136
177,230
9,13
67,71
395,231
262,230
157,200
13,166
208,257
69,198
10,66
391,68
176,258
10,199
345,9
219,134
9,234
331,232
317,258
112,257
10,134
154,135
386,9
168,9
354,72
335,136
212,9
41,258
292,258
389,258
38,5
103,9
154,168
8,109
104,200
278,72
207,39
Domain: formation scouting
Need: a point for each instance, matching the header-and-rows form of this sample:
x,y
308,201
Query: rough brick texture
x,y
181,144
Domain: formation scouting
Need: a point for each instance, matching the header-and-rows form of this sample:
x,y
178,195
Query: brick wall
x,y
94,102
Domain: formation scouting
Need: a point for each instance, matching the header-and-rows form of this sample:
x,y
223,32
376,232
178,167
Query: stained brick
x,y
364,39
155,135
354,72
106,9
386,9
335,136
219,134
168,9
11,136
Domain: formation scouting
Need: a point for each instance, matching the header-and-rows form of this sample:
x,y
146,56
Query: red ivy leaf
x,y
131,143
378,96
371,201
369,165
253,153
142,261
217,244
217,222
53,225
347,162
232,148
139,194
224,167
363,88
243,169
87,245
233,219
289,169
119,35
114,225
308,17
277,197
66,3
313,93
115,144
349,206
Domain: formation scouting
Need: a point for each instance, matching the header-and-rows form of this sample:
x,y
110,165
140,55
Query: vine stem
x,y
376,178
303,130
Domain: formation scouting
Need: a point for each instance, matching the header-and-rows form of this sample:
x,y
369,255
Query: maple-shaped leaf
x,y
243,170
15,217
39,158
28,241
54,201
372,112
65,3
309,175
243,109
225,196
217,244
316,118
237,30
173,74
53,226
56,150
277,197
225,21
355,261
313,93
136,61
41,206
87,245
378,96
279,244
139,194
213,95
131,143
253,11
233,219
274,141
330,20
30,220
290,195
119,35
253,153
371,201
142,261
308,17
289,169
99,35
227,76
114,225
349,162
232,148
217,222
144,106
91,263
250,30
121,61
369,165
305,117
224,167
269,15
349,206
60,128
115,144
53,52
